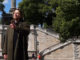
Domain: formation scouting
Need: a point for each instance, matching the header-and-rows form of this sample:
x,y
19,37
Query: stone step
x,y
54,34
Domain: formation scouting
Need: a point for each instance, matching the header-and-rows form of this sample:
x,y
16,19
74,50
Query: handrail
x,y
54,47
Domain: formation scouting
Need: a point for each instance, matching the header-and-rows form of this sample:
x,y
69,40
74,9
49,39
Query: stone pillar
x,y
13,5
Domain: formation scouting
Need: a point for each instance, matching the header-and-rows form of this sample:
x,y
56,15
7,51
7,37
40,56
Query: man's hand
x,y
5,56
12,25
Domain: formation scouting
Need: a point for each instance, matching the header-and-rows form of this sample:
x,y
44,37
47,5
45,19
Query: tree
x,y
1,5
1,0
67,21
34,10
1,9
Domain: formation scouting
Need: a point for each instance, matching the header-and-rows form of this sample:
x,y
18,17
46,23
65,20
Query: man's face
x,y
16,15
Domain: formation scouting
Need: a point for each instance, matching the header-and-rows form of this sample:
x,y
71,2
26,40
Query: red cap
x,y
39,56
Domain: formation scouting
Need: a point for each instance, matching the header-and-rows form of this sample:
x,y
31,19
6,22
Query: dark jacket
x,y
17,50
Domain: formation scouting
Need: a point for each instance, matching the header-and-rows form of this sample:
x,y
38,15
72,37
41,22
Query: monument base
x,y
11,10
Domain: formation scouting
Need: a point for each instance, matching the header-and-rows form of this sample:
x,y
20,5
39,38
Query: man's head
x,y
17,14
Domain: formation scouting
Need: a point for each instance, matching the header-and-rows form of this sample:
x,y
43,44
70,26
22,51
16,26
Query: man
x,y
16,40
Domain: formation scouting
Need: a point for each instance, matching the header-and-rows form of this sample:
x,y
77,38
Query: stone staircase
x,y
54,47
53,33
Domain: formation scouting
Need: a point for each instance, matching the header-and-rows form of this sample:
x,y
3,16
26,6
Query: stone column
x,y
13,5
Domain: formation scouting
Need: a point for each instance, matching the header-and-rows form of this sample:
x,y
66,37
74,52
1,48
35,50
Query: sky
x,y
7,4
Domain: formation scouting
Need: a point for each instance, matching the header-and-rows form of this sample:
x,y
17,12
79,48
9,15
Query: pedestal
x,y
11,10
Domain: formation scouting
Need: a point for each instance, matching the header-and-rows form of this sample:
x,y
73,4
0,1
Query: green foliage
x,y
67,21
1,0
34,10
1,5
45,25
53,3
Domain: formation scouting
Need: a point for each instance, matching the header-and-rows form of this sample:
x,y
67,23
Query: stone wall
x,y
45,40
40,40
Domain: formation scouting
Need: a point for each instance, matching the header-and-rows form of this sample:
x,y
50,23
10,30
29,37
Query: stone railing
x,y
54,47
53,34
